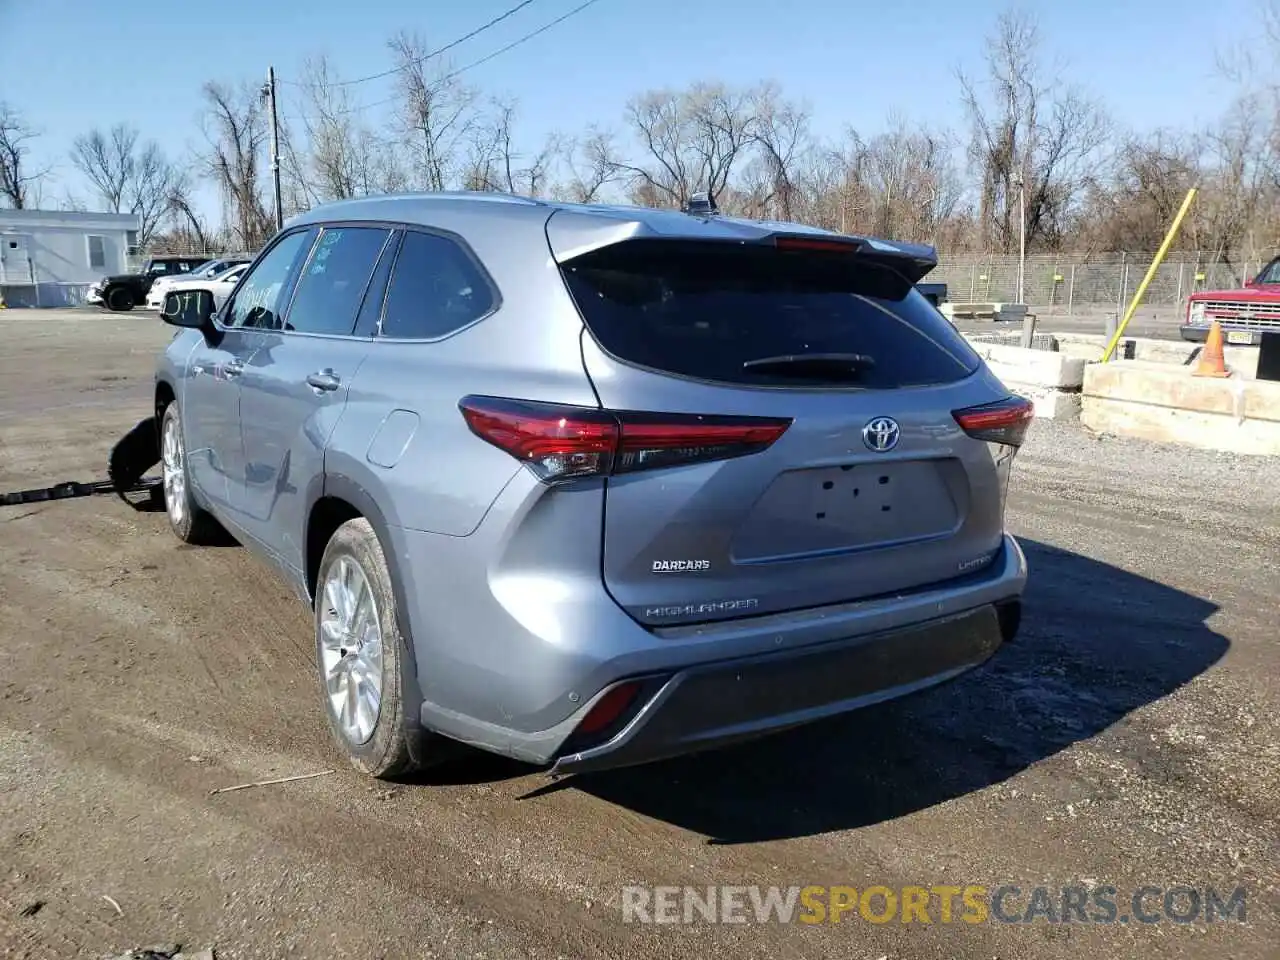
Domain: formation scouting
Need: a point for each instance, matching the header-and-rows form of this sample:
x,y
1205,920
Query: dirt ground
x,y
1131,736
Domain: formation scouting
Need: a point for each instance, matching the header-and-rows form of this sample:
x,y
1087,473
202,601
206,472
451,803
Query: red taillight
x,y
556,442
608,708
1005,421
560,442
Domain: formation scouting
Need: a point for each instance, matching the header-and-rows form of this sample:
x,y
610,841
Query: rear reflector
x,y
608,708
562,442
1005,421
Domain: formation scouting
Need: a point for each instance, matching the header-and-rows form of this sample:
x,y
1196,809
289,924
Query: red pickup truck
x,y
1245,314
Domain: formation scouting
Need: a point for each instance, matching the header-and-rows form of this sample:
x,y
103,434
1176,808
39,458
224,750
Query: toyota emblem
x,y
881,434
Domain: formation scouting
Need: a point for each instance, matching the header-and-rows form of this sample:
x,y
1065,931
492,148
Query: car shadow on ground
x,y
1096,644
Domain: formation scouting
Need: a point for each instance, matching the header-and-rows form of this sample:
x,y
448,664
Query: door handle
x,y
233,368
324,380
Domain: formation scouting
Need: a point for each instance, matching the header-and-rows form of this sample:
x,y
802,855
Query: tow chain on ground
x,y
133,455
69,488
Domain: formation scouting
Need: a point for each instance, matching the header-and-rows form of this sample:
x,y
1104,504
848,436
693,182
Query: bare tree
x,y
340,156
591,163
1031,130
237,141
691,141
107,161
191,234
780,136
18,180
438,113
493,162
1134,209
913,185
126,175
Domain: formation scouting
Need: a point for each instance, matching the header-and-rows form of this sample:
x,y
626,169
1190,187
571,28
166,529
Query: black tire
x,y
118,299
189,522
397,744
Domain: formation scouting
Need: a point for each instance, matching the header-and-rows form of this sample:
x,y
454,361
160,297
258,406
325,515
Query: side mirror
x,y
192,309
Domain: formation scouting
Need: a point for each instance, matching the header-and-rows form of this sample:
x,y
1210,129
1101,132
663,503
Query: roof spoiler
x,y
911,261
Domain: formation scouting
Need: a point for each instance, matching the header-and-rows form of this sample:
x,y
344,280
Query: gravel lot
x,y
1131,736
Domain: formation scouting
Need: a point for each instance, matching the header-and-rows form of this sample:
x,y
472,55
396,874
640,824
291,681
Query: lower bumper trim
x,y
715,704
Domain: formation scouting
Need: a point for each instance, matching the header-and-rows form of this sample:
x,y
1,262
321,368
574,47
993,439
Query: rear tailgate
x,y
871,489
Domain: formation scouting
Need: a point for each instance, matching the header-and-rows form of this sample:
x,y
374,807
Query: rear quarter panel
x,y
402,436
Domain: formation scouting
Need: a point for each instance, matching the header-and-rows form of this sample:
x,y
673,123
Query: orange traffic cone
x,y
1212,363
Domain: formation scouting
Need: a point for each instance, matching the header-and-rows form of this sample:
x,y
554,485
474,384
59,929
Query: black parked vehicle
x,y
126,291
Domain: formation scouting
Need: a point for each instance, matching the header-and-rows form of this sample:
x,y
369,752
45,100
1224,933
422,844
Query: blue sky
x,y
72,64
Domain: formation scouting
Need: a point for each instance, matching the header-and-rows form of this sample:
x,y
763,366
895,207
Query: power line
x,y
528,36
435,53
475,63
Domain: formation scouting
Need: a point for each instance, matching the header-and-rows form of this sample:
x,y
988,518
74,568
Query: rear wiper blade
x,y
848,365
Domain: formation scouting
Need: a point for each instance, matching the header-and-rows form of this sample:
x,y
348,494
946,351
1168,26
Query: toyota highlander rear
x,y
794,453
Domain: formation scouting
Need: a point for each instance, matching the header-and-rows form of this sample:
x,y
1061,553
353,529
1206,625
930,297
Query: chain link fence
x,y
1066,281
1063,282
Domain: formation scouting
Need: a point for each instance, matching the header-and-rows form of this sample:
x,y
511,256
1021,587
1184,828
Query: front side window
x,y
334,280
261,299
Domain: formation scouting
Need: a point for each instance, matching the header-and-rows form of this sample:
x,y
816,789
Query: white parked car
x,y
221,285
206,271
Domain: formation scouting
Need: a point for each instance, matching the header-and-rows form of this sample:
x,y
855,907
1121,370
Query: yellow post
x,y
1151,272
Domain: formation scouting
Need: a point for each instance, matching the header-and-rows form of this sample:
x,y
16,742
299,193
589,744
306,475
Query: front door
x,y
210,413
295,388
212,396
15,259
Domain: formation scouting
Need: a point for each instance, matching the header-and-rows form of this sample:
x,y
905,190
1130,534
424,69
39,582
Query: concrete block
x,y
1208,431
1040,368
997,312
1011,312
1157,402
1050,404
1155,384
1241,360
1262,401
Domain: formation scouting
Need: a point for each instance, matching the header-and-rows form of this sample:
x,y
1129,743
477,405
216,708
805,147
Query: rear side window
x,y
436,288
714,311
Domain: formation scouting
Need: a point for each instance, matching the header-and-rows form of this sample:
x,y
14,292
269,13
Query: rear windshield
x,y
703,310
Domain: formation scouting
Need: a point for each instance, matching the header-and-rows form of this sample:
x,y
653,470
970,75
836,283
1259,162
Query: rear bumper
x,y
521,686
716,704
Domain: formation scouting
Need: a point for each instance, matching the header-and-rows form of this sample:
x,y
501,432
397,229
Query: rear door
x,y
872,490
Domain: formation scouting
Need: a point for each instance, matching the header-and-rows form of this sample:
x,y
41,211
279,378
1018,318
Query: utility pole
x,y
269,91
1022,236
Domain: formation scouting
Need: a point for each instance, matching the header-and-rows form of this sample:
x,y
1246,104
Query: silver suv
x,y
590,486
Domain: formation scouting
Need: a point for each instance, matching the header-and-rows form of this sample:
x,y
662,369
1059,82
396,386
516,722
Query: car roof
x,y
593,224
